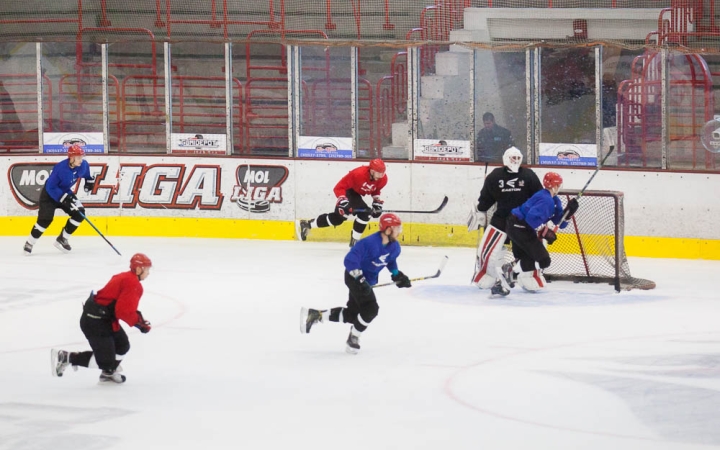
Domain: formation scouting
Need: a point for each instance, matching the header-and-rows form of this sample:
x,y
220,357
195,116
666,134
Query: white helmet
x,y
512,158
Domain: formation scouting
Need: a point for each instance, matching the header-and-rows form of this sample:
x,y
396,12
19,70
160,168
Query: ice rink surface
x,y
442,367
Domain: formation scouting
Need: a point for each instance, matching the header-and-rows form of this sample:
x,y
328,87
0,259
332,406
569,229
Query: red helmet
x,y
139,260
388,220
552,179
377,165
75,150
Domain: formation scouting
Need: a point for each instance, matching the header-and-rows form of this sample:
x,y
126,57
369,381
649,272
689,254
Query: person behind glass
x,y
527,228
58,193
492,141
362,265
364,180
100,323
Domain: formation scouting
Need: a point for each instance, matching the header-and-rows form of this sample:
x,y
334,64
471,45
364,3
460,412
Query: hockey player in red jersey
x,y
362,265
364,180
100,323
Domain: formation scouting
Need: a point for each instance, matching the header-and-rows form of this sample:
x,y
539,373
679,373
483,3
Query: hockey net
x,y
591,248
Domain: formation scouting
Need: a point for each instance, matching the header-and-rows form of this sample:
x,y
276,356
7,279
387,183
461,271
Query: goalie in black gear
x,y
505,188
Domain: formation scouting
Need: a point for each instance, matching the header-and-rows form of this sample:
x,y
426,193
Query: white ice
x,y
442,366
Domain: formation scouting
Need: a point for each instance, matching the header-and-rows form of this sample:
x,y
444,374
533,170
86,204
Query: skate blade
x,y
53,358
303,320
60,247
350,350
111,382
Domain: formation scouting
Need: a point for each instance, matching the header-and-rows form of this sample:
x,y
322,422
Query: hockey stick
x,y
435,275
98,232
408,211
582,191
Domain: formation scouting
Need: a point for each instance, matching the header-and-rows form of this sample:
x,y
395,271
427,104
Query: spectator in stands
x,y
492,141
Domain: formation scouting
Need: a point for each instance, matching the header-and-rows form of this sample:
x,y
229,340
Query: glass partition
x,y
18,97
500,104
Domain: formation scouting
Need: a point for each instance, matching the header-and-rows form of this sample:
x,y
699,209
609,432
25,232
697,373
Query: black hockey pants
x,y
335,219
46,214
526,245
105,343
361,309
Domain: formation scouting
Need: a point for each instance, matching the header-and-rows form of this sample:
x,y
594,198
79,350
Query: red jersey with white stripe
x,y
126,290
359,181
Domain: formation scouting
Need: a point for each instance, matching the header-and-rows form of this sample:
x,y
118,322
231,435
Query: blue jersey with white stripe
x,y
63,178
370,255
540,208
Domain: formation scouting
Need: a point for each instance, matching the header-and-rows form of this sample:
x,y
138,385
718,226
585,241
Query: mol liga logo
x,y
27,182
258,186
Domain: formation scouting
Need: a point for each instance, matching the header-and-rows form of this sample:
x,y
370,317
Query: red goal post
x,y
591,249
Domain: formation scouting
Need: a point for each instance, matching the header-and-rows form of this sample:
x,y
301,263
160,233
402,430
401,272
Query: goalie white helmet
x,y
512,158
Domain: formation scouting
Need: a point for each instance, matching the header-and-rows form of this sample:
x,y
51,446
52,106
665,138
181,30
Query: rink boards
x,y
666,214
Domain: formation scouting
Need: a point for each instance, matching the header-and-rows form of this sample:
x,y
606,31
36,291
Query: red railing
x,y
690,106
151,66
391,98
19,109
81,107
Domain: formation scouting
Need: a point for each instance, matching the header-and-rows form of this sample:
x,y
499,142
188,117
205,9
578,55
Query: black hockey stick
x,y
582,191
98,232
435,275
409,211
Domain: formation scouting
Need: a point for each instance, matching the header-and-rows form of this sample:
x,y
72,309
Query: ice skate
x,y
509,274
28,248
499,290
353,341
308,318
62,244
107,377
305,226
352,241
59,361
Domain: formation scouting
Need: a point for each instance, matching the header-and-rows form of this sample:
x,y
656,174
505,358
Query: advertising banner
x,y
325,147
58,143
441,150
583,155
198,144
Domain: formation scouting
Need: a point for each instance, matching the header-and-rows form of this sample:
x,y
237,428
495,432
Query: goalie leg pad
x,y
490,254
532,280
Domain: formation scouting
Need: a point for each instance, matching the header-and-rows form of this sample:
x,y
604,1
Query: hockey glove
x,y
571,208
69,201
377,207
363,287
142,324
546,233
476,219
89,185
342,206
401,280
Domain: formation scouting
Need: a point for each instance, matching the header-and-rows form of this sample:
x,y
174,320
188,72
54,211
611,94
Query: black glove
x,y
377,207
89,185
401,280
363,287
342,206
68,201
571,208
142,324
546,233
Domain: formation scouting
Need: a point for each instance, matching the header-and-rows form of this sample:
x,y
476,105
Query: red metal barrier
x,y
80,64
274,22
391,98
81,107
329,104
690,106
196,109
19,109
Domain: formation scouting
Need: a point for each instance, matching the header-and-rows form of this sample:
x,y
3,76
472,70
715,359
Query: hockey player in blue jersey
x,y
362,265
527,228
58,193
